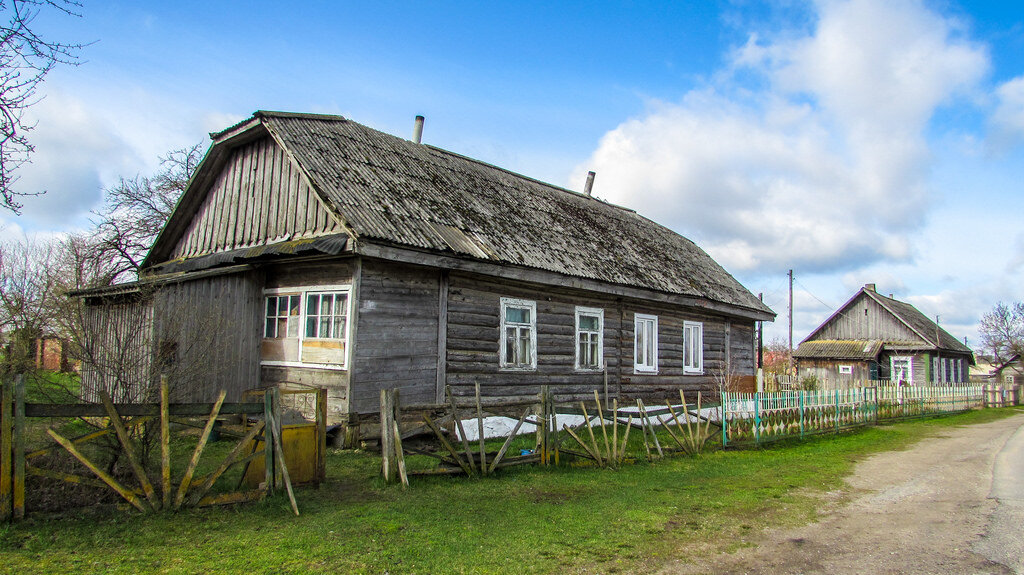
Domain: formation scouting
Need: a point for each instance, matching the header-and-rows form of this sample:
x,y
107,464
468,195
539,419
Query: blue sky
x,y
852,141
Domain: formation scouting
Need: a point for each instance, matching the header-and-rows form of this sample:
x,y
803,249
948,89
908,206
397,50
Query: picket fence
x,y
770,416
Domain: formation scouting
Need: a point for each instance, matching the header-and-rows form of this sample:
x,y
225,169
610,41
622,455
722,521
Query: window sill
x,y
693,372
513,369
645,371
326,366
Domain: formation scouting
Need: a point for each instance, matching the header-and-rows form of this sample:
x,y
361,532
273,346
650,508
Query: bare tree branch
x,y
1002,331
135,210
25,59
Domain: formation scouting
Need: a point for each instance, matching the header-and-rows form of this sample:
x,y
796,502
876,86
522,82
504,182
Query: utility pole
x,y
790,369
760,338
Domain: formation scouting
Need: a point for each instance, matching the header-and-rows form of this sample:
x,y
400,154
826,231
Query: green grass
x,y
533,520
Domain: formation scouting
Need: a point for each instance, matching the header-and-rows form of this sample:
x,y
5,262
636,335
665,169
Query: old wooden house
x,y
1009,372
874,337
312,250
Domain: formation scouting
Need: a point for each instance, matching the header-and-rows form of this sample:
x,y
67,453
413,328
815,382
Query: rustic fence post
x,y
165,443
268,440
387,446
725,420
801,396
6,429
18,446
757,418
321,434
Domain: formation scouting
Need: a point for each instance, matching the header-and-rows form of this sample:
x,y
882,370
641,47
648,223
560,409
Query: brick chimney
x,y
870,287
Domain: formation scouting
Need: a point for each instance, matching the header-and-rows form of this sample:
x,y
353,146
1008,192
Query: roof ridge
x,y
525,177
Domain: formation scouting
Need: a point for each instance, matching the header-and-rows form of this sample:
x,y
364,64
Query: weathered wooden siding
x,y
258,197
397,333
117,349
473,343
206,335
338,272
866,319
828,370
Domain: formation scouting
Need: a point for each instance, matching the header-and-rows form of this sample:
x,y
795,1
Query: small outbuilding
x,y
873,337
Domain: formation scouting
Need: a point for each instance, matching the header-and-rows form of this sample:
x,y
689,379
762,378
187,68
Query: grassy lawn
x,y
534,520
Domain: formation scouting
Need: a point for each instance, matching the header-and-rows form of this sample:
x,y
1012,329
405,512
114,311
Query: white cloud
x,y
1008,118
826,168
76,155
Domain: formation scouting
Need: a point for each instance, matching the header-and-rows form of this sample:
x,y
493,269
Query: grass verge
x,y
534,520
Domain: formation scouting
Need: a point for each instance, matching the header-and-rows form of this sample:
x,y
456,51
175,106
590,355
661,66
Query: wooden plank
x,y
61,410
18,445
61,476
399,454
462,432
104,477
508,441
129,450
447,445
230,460
186,480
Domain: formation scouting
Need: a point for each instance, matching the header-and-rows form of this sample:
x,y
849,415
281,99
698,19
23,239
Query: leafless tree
x,y
776,356
25,59
1002,330
27,297
135,210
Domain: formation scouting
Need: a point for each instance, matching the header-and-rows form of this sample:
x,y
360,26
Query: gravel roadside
x,y
930,509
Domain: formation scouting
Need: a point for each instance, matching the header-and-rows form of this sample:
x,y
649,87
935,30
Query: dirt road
x,y
949,504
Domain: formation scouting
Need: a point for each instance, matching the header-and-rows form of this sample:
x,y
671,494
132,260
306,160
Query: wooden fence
x,y
763,417
263,442
598,431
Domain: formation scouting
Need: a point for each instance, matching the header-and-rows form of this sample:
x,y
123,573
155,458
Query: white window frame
x,y
302,292
599,314
651,365
845,370
691,328
288,318
507,302
910,368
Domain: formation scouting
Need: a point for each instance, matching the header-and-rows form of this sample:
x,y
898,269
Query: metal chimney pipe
x,y
417,130
588,188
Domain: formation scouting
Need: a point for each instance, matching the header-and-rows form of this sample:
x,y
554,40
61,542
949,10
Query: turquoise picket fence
x,y
769,416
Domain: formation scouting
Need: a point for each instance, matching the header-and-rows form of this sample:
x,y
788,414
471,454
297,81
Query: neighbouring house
x,y
874,337
1010,372
310,250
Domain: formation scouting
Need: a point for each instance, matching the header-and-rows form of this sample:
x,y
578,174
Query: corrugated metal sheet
x,y
839,349
391,189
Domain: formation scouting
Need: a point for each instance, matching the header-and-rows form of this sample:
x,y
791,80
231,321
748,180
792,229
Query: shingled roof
x,y
396,192
931,334
839,349
920,323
